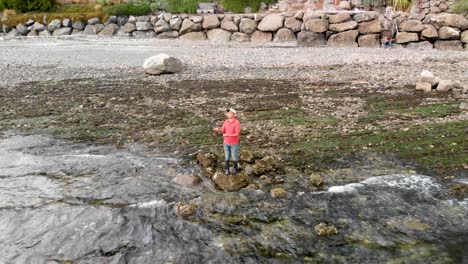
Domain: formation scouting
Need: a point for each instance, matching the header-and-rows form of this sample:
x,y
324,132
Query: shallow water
x,y
99,204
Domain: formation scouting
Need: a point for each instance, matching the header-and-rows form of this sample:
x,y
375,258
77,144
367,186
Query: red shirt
x,y
231,127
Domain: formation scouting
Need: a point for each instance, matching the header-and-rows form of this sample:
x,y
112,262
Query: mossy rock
x,y
278,193
231,183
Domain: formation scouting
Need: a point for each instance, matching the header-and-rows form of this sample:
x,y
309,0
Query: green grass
x,y
460,7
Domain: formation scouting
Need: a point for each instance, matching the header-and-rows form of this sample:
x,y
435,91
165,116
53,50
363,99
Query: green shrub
x,y
181,6
238,6
27,5
128,9
460,7
401,4
101,2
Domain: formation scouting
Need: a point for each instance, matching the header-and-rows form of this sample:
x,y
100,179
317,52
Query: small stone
x,y
185,210
162,63
316,25
323,229
445,86
405,37
316,180
423,86
187,180
231,183
293,24
229,25
278,193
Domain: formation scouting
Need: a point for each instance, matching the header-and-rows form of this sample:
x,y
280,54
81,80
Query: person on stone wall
x,y
231,131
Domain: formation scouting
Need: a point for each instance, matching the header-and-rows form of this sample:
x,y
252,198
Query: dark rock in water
x,y
323,229
187,179
207,159
231,183
185,210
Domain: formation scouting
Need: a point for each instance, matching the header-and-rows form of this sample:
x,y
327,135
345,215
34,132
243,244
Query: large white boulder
x,y
162,63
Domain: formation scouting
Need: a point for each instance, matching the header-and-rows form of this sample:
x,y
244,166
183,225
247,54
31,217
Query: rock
x,y
187,180
197,19
449,33
261,37
230,183
168,35
229,25
370,41
464,36
188,26
80,25
284,35
210,22
423,86
310,39
219,35
271,22
143,26
445,86
33,33
111,20
316,25
162,26
278,193
343,26
22,29
121,33
247,25
54,25
193,36
422,45
122,20
265,165
67,22
240,37
93,29
411,26
109,30
316,180
62,31
450,20
428,77
132,19
94,21
30,22
293,24
339,18
207,159
443,7
246,156
129,28
77,32
344,39
45,33
167,17
185,210
323,229
38,26
299,14
370,27
5,28
429,32
345,5
448,45
176,23
366,16
405,37
162,63
143,19
463,106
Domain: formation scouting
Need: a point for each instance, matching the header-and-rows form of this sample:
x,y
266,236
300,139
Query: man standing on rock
x,y
230,131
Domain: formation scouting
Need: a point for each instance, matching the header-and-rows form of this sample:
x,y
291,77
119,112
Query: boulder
x,y
278,193
449,33
293,24
423,86
311,39
94,21
316,180
339,18
38,26
22,29
230,183
343,26
109,30
445,85
429,32
448,45
428,77
188,26
422,45
271,22
129,28
265,165
240,37
54,25
370,41
464,36
197,19
30,22
122,33
411,26
247,26
345,5
316,25
229,25
370,27
122,20
193,36
80,25
405,37
210,22
168,35
187,180
67,22
33,33
284,35
62,31
450,20
176,23
344,39
207,159
161,26
143,19
261,37
162,63
93,29
219,35
111,20
246,156
366,16
45,33
143,26
144,34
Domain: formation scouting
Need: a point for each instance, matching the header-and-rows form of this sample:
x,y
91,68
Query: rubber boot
x,y
226,167
234,170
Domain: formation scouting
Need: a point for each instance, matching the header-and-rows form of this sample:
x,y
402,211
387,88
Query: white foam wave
x,y
150,204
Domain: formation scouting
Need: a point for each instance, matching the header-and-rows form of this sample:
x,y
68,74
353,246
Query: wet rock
x,y
445,85
219,35
316,180
54,25
449,33
194,36
230,183
261,37
271,22
344,39
79,25
370,41
109,30
162,63
278,193
240,37
263,166
311,39
448,45
316,25
207,159
405,37
284,35
293,24
187,180
422,45
323,229
185,210
370,27
209,172
407,225
210,22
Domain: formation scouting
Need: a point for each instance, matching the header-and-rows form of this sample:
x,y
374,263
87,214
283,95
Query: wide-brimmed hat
x,y
232,110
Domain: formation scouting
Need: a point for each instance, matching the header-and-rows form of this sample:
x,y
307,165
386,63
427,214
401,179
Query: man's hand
x,y
217,129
